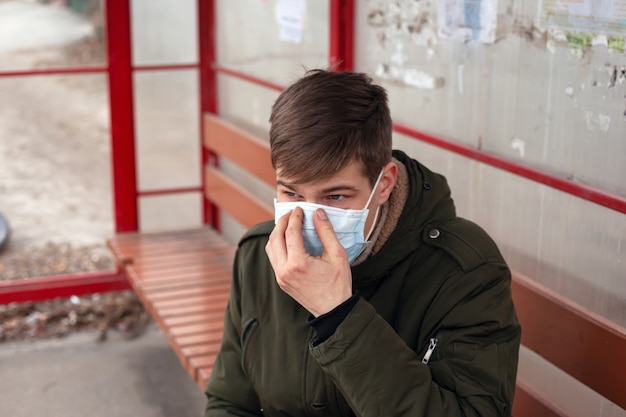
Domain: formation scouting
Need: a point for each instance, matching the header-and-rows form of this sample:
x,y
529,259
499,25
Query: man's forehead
x,y
353,170
341,181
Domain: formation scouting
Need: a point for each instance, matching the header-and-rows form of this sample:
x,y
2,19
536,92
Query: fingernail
x,y
321,214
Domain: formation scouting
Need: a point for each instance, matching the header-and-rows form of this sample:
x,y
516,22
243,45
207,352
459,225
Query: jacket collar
x,y
420,197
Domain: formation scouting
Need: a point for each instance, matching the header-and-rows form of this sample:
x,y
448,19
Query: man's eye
x,y
336,197
290,194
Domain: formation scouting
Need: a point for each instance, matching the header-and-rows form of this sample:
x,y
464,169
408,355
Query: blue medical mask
x,y
349,225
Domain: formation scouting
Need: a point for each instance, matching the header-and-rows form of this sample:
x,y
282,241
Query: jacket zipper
x,y
431,348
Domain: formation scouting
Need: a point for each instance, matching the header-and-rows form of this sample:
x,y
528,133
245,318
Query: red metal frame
x,y
46,288
164,67
207,54
250,78
122,115
341,22
168,191
585,192
54,71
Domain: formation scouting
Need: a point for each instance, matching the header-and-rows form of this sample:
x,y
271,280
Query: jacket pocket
x,y
248,340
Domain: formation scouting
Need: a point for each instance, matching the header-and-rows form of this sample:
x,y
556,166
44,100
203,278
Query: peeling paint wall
x,y
550,98
547,97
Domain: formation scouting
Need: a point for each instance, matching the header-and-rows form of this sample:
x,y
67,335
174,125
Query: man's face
x,y
347,189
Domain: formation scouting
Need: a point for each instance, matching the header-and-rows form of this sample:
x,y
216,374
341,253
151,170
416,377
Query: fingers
x,y
286,240
293,233
327,235
276,247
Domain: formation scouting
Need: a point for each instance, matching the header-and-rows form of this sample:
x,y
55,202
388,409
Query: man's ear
x,y
387,182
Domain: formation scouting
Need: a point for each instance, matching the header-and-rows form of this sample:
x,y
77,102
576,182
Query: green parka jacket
x,y
438,281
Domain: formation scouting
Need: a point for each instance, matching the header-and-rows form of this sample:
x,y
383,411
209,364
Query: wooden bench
x,y
182,277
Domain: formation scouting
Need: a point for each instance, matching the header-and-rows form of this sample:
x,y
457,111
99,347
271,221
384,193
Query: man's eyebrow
x,y
329,190
339,187
285,184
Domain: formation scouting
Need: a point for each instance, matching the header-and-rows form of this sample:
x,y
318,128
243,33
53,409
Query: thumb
x,y
326,233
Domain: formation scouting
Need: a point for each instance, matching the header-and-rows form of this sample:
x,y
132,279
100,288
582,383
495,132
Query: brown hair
x,y
326,120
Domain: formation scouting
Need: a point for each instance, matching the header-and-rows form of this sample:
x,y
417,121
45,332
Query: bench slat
x,y
199,350
189,308
193,256
191,292
201,317
182,281
574,339
235,200
240,147
201,299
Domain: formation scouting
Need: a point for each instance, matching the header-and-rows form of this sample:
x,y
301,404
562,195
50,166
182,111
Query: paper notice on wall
x,y
606,17
290,16
467,20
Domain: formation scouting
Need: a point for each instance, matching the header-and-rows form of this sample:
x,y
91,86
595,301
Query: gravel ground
x,y
55,189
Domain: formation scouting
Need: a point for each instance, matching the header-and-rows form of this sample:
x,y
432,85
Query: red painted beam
x,y
341,36
47,288
170,191
119,56
164,67
207,55
250,78
54,71
583,191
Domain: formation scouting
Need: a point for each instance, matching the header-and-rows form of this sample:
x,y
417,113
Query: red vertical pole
x,y
341,49
118,36
208,90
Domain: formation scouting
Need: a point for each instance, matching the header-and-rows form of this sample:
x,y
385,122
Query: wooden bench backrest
x,y
581,344
247,152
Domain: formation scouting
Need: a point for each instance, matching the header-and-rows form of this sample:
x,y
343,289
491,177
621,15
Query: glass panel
x,y
247,104
280,37
52,34
547,99
170,212
164,32
167,129
570,245
559,111
55,175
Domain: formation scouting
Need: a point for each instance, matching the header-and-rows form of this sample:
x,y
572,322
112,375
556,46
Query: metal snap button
x,y
434,234
427,186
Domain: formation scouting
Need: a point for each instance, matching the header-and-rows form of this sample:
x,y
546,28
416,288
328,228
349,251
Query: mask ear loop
x,y
369,200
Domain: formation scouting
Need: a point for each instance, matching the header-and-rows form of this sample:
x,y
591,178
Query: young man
x,y
367,296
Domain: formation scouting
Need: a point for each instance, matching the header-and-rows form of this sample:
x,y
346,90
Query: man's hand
x,y
318,283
